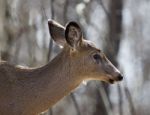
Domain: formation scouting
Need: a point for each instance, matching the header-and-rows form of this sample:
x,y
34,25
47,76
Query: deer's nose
x,y
120,77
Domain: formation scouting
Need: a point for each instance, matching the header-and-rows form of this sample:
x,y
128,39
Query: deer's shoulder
x,y
7,72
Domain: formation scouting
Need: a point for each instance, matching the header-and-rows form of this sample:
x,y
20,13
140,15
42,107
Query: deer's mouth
x,y
112,79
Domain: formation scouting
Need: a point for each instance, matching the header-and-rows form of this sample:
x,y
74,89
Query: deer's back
x,y
8,83
7,75
14,97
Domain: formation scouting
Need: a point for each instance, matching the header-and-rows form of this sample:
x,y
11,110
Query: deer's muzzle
x,y
118,78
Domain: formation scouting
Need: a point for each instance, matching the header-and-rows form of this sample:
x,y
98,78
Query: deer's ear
x,y
73,34
57,32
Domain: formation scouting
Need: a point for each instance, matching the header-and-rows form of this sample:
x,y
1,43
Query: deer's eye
x,y
97,57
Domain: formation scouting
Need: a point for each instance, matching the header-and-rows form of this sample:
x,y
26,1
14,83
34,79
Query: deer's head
x,y
89,61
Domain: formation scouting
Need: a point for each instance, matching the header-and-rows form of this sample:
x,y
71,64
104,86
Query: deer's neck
x,y
53,81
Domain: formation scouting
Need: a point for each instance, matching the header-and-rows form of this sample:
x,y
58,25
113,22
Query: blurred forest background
x,y
120,28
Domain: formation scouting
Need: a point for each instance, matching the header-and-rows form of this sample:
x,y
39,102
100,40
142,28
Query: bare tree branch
x,y
120,100
103,95
65,11
75,103
51,41
9,36
105,10
130,100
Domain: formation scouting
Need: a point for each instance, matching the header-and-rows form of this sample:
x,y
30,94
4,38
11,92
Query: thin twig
x,y
104,98
120,100
43,9
52,8
75,103
65,10
105,10
129,97
51,41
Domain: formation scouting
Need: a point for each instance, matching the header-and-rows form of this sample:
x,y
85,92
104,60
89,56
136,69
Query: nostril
x,y
120,77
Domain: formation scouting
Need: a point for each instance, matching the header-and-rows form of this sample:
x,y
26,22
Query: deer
x,y
30,91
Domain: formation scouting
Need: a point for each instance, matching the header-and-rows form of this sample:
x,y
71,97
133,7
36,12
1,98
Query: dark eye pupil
x,y
97,57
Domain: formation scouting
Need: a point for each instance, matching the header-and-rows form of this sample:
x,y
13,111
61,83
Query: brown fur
x,y
29,91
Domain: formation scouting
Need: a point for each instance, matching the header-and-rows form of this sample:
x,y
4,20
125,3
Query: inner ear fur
x,y
73,34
